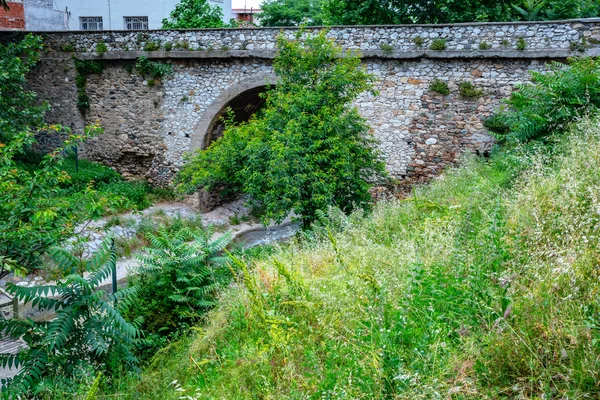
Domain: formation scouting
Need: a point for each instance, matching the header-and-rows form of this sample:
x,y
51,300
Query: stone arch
x,y
211,115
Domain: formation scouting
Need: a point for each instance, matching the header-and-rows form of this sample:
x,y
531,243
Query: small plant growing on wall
x,y
67,47
505,43
168,46
101,48
521,44
419,41
386,48
467,89
439,86
84,69
152,46
155,70
438,44
484,46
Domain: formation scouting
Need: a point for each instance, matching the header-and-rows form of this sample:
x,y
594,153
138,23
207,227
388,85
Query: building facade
x,y
92,15
13,18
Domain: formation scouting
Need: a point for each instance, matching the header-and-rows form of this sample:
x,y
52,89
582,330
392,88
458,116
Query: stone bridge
x,y
150,125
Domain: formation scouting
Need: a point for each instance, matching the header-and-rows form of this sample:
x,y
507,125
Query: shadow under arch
x,y
242,97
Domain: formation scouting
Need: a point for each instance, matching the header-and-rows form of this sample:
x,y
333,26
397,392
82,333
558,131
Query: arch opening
x,y
243,106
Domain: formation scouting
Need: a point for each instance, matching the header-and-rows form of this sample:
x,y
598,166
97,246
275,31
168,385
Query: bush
x,y
178,278
87,332
101,48
439,86
308,148
553,100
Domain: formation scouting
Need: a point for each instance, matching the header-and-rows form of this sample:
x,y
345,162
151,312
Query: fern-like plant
x,y
87,331
178,277
552,100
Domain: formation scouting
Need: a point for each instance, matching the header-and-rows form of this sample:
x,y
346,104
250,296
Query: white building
x,y
104,14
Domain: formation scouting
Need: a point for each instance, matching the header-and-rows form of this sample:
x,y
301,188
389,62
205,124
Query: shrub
x,y
88,329
439,86
89,173
298,161
438,44
484,46
496,124
168,46
467,89
178,278
553,100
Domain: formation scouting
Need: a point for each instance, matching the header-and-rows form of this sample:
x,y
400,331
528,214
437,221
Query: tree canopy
x,y
291,13
308,149
381,12
194,14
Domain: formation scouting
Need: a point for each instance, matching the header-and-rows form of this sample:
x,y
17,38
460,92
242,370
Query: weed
x,y
467,89
234,220
168,46
418,41
438,44
101,48
484,46
439,86
386,48
505,43
521,44
152,46
67,47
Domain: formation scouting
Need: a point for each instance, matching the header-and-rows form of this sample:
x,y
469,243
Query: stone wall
x,y
149,128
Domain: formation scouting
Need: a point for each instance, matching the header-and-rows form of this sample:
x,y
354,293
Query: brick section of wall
x,y
13,18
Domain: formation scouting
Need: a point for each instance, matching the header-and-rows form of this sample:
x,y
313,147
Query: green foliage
x,y
521,44
570,9
193,14
136,193
67,47
438,44
85,68
439,86
178,278
152,46
467,89
308,149
386,48
530,10
553,100
419,41
482,285
101,48
484,46
19,110
168,46
496,124
88,329
154,69
291,13
89,173
380,12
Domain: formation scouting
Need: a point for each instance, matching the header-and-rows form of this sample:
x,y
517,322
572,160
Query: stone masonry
x,y
148,128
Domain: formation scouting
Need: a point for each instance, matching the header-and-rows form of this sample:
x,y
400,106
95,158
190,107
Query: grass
x,y
482,285
438,44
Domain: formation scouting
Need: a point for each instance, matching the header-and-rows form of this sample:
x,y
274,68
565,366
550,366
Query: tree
x,y
379,12
33,216
309,148
88,329
291,13
194,14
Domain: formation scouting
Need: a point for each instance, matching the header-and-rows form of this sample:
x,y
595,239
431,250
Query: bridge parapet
x,y
474,40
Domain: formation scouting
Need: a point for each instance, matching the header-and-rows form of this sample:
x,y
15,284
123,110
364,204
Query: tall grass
x,y
482,285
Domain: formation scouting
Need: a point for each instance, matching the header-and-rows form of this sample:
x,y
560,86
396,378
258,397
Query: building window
x,y
90,23
136,23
